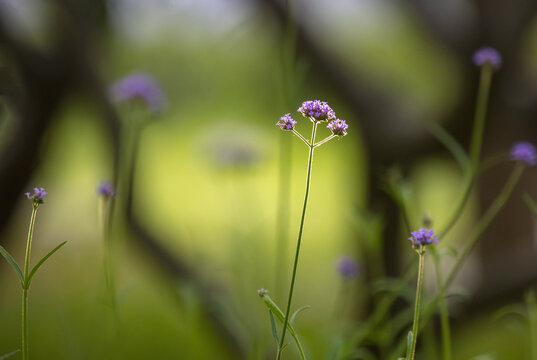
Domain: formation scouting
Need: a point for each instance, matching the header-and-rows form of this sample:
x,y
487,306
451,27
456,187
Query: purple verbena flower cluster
x,y
423,237
38,196
488,55
106,189
286,122
524,151
338,127
347,267
317,110
141,87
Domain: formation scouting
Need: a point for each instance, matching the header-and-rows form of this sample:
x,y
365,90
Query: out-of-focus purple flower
x,y
261,292
347,267
38,196
338,127
106,189
488,55
423,237
317,110
286,122
524,151
139,87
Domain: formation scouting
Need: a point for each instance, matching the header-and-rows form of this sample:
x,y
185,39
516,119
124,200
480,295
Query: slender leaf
x,y
9,355
273,327
13,263
292,320
510,310
532,206
271,305
451,144
41,262
409,344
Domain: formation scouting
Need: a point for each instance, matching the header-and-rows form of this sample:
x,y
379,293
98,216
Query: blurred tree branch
x,y
45,81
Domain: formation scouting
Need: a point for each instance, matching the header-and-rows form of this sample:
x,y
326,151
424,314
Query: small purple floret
x,y
347,267
338,127
106,189
286,122
38,196
488,55
524,151
317,110
139,86
423,237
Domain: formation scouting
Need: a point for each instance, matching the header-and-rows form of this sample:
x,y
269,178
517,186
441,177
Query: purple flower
x,y
38,195
338,127
139,87
317,110
347,267
106,189
524,151
423,237
488,55
286,122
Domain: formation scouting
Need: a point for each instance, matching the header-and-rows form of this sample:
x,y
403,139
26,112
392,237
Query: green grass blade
x,y
9,355
409,339
13,263
296,313
532,206
451,144
273,327
41,262
274,309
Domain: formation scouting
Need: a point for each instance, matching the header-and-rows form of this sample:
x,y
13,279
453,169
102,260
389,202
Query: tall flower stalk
x,y
318,112
419,240
25,277
299,240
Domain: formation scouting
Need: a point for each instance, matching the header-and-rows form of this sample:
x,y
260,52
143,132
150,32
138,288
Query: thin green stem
x,y
293,276
474,236
485,221
480,113
26,285
415,327
301,137
324,140
24,324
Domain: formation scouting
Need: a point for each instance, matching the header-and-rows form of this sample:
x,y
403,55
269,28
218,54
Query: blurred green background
x,y
207,183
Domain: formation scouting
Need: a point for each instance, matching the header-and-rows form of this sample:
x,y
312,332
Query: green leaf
x,y
13,263
510,310
271,305
273,327
9,355
530,204
450,143
409,344
292,320
41,262
484,357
